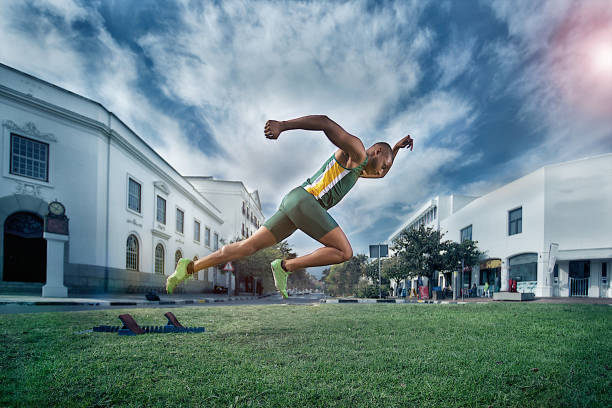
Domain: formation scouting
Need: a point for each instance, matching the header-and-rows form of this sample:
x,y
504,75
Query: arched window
x,y
524,267
195,274
131,253
159,259
177,256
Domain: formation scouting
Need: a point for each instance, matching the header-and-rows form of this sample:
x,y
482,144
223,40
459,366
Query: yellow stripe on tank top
x,y
329,176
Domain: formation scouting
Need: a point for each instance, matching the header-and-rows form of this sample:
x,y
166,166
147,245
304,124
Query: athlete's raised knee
x,y
347,253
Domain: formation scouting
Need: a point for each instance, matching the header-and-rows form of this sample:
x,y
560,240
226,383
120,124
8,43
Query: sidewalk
x,y
477,300
119,299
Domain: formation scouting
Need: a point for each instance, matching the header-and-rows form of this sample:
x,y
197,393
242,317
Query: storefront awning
x,y
491,264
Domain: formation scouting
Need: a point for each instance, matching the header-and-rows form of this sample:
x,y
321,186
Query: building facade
x,y
131,215
564,207
550,231
429,215
241,209
242,215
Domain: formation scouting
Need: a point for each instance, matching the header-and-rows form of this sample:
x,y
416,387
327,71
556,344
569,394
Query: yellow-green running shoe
x,y
180,274
280,277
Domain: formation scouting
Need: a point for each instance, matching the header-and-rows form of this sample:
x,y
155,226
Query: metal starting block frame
x,y
131,328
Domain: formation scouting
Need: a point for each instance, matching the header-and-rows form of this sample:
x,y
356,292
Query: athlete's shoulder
x,y
349,161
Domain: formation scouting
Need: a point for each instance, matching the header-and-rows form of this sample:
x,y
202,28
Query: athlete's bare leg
x,y
337,249
262,238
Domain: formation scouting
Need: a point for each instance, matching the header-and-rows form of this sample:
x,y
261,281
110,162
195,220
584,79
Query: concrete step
x,y
25,288
517,296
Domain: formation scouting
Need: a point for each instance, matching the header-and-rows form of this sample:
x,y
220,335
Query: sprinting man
x,y
305,207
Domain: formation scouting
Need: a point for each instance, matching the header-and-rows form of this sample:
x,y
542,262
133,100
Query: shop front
x,y
490,275
524,270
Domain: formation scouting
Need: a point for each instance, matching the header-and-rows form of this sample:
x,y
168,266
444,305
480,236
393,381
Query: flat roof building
x,y
559,215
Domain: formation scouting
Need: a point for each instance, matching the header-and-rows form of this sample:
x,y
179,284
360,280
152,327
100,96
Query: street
x,y
269,300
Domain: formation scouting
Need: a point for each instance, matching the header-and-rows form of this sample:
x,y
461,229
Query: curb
x,y
96,302
437,302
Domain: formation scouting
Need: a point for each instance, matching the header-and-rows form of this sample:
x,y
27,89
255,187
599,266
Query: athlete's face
x,y
380,162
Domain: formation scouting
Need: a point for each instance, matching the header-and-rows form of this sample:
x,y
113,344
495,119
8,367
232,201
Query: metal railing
x,y
579,287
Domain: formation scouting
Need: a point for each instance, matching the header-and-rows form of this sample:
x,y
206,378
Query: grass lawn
x,y
365,355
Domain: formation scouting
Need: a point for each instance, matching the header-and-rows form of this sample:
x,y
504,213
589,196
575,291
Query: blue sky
x,y
489,90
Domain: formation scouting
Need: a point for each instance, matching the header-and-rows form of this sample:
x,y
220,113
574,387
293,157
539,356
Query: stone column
x,y
505,275
563,278
544,287
55,265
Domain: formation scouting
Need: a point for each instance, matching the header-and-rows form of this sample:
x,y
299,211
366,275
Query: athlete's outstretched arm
x,y
335,133
405,142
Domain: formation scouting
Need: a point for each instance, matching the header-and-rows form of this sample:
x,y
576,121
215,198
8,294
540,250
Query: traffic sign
x,y
228,267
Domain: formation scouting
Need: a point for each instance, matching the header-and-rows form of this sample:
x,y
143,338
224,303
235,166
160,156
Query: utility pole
x,y
379,281
462,267
455,285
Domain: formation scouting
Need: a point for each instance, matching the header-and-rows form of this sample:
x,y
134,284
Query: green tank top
x,y
332,181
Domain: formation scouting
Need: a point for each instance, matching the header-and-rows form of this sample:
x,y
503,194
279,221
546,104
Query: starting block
x,y
131,328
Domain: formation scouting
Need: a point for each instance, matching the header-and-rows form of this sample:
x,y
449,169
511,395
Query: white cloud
x,y
455,60
244,63
44,51
50,52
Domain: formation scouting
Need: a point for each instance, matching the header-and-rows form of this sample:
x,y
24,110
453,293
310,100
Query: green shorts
x,y
300,210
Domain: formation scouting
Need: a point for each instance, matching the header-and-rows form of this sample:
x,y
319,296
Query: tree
x,y
466,251
301,279
394,269
421,252
371,271
343,278
257,265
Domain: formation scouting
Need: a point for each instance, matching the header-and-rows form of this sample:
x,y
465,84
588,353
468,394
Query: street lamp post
x,y
462,272
379,280
455,284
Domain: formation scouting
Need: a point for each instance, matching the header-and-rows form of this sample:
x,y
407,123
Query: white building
x,y
567,204
429,215
131,215
242,212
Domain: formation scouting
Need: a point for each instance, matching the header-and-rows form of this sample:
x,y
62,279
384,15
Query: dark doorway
x,y
25,249
579,278
580,269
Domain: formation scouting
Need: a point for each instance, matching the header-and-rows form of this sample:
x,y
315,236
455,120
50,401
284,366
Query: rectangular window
x,y
161,210
466,233
29,158
604,269
515,221
134,195
216,241
196,231
180,220
207,237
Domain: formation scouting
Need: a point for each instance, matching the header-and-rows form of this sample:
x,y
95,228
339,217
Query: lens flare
x,y
601,56
580,57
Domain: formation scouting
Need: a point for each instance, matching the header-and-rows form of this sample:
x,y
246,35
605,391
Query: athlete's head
x,y
380,159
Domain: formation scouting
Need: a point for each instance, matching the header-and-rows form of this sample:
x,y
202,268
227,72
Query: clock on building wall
x,y
56,221
57,209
